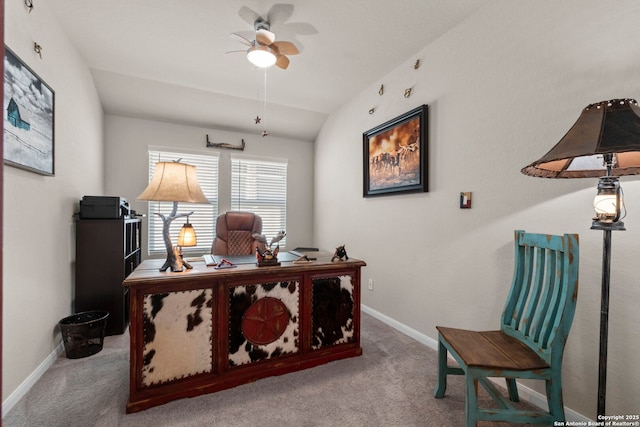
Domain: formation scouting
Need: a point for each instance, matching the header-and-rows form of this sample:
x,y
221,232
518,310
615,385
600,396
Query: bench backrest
x,y
542,301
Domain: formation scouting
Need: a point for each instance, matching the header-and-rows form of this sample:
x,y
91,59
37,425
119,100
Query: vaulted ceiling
x,y
166,59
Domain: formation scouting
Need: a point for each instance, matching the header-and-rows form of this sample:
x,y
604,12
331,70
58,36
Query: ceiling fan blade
x,y
265,37
237,37
282,62
280,12
286,48
236,51
248,15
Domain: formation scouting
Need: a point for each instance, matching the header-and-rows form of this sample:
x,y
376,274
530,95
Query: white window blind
x,y
204,215
260,186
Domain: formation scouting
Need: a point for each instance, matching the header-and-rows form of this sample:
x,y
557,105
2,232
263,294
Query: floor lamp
x,y
603,143
173,182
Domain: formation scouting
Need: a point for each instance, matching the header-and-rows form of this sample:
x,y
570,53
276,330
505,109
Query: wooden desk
x,y
205,330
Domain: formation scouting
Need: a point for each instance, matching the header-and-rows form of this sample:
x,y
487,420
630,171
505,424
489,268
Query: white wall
x,y
127,141
502,89
38,232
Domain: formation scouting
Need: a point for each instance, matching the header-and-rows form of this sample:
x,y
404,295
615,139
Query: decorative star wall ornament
x,y
257,119
265,133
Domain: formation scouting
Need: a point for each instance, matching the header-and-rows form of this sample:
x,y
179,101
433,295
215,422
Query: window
x,y
260,186
204,215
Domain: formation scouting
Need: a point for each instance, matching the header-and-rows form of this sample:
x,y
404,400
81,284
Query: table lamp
x,y
186,238
604,142
173,182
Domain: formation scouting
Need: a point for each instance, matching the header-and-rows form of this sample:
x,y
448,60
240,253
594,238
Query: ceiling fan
x,y
265,51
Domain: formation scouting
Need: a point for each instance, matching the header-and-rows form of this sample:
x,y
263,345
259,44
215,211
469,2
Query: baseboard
x,y
26,385
540,400
420,337
526,393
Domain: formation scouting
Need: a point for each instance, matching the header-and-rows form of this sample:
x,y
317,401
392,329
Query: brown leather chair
x,y
234,234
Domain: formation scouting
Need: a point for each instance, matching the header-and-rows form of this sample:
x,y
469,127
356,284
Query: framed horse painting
x,y
395,155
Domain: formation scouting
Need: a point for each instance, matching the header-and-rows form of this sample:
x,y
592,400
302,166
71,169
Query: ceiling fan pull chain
x,y
264,113
265,92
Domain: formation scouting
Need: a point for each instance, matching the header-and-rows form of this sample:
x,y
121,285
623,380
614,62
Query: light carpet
x,y
391,384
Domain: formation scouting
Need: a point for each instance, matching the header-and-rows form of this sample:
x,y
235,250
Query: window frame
x,y
265,191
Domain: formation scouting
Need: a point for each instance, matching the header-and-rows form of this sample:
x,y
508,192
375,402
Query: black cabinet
x,y
107,251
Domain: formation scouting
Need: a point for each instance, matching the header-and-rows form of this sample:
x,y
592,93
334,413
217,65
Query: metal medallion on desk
x,y
265,321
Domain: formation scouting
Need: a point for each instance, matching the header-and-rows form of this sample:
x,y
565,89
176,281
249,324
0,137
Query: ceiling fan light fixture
x,y
261,56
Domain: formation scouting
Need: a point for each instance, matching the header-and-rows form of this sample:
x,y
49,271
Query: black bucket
x,y
83,333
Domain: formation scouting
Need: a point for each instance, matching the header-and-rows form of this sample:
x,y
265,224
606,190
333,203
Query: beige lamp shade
x,y
174,182
187,236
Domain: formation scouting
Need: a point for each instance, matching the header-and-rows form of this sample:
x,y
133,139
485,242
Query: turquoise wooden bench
x,y
530,343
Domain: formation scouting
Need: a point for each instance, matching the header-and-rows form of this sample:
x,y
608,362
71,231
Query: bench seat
x,y
491,350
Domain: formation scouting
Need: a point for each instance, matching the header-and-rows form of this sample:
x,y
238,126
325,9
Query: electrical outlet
x,y
370,284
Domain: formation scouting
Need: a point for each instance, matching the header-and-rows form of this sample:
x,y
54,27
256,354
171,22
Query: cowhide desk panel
x,y
205,330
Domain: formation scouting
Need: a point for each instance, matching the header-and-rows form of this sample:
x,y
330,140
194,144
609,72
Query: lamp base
x,y
185,263
174,258
600,225
174,261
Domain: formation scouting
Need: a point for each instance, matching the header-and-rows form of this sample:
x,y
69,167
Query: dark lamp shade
x,y
174,182
607,127
187,236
